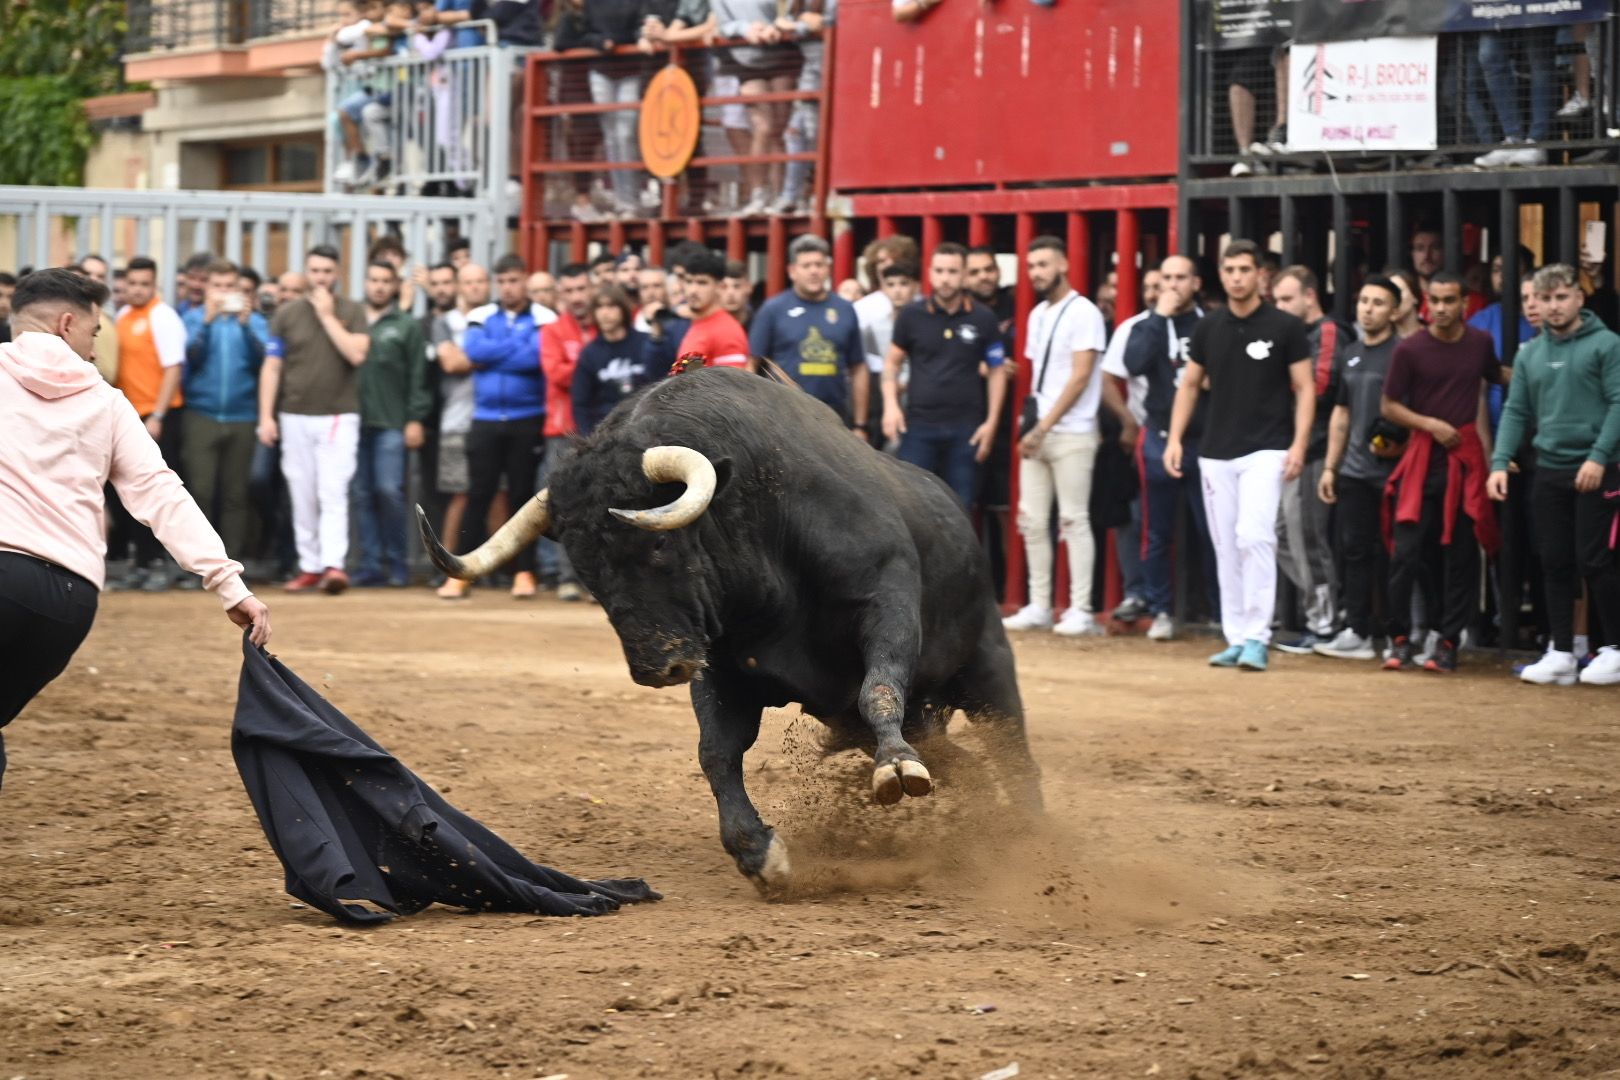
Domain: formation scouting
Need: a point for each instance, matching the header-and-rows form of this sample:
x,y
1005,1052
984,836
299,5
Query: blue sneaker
x,y
1227,657
1253,655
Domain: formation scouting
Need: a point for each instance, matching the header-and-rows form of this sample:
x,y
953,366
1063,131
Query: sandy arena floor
x,y
1325,871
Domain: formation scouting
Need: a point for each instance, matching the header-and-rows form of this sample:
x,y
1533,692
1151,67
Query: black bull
x,y
775,559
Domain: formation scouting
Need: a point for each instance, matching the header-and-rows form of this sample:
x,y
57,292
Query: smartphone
x,y
233,303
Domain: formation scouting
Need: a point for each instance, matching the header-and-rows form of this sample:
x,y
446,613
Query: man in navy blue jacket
x,y
225,341
509,405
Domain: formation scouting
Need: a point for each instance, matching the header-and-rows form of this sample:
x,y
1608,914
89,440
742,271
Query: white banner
x,y
1378,94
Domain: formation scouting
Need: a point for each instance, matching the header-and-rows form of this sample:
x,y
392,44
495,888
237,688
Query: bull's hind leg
x,y
989,689
728,724
892,646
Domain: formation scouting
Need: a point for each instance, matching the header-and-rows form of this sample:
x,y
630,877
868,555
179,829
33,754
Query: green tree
x,y
53,55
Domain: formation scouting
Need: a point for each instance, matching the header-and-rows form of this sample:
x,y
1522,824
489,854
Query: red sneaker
x,y
303,582
334,581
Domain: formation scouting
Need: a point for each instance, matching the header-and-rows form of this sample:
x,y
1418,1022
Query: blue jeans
x,y
945,452
1128,546
1162,493
1496,62
379,498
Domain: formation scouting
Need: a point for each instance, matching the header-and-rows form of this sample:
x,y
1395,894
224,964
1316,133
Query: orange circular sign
x,y
671,120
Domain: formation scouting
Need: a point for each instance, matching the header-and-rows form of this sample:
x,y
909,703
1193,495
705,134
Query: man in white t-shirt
x,y
1128,541
1065,336
897,287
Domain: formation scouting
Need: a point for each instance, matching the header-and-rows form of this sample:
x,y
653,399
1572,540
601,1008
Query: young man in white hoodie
x,y
66,434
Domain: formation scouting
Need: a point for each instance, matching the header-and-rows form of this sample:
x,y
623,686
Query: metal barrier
x,y
157,26
443,120
580,165
1535,72
53,225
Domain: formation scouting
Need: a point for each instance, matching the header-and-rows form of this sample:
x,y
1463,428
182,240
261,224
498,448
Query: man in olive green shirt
x,y
394,401
1566,380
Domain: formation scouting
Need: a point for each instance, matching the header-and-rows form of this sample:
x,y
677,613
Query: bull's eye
x,y
661,544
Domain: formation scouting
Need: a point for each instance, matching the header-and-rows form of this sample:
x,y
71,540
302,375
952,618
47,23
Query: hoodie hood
x,y
46,367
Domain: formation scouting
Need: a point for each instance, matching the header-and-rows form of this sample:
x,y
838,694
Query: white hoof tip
x,y
914,779
886,785
776,873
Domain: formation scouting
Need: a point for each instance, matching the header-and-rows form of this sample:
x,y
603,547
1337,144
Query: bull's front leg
x,y
728,723
891,643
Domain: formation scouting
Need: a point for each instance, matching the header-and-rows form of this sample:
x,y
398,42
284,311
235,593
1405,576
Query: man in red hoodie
x,y
560,344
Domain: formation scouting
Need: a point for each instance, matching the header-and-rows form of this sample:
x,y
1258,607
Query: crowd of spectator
x,y
752,49
1517,92
1368,465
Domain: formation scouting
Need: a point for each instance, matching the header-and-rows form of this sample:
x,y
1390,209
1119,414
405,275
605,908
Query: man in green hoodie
x,y
394,401
1566,381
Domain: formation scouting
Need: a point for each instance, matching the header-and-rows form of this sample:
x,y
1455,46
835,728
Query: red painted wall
x,y
1004,92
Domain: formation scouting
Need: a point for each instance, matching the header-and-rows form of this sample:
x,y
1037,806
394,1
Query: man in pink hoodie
x,y
66,434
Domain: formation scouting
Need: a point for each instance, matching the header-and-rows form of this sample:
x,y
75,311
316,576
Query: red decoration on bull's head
x,y
689,362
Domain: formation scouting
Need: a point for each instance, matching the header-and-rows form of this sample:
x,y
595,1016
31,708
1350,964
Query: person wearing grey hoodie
x,y
67,433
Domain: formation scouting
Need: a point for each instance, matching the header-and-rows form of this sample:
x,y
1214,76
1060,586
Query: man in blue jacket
x,y
225,341
509,406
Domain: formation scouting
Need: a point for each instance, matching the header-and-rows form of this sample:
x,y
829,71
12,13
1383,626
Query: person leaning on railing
x,y
614,80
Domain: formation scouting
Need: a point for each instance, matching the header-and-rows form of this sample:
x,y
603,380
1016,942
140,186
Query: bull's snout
x,y
665,672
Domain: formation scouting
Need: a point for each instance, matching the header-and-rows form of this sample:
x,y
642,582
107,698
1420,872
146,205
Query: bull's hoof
x,y
775,874
914,778
886,788
900,777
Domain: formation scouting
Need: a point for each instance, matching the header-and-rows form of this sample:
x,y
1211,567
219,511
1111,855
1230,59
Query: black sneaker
x,y
1303,645
1400,656
1131,610
1444,659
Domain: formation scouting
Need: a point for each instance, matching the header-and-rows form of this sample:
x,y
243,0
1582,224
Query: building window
x,y
281,164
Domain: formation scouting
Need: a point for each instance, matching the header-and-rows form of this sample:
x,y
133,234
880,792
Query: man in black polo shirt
x,y
947,337
1262,400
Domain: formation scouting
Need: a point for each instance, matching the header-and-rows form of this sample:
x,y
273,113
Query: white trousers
x,y
1061,470
318,456
1241,498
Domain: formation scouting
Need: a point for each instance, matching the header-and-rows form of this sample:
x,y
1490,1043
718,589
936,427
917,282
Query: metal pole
x,y
1079,242
359,241
295,240
1508,228
261,247
169,261
500,137
1289,227
1341,257
1451,223
1569,244
42,235
1127,246
1236,227
105,243
233,235
1394,229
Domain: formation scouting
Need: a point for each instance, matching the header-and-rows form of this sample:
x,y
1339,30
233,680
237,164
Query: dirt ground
x,y
1323,871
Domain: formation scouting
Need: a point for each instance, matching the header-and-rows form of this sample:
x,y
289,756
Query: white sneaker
x,y
1576,105
1163,628
1029,617
1347,645
1431,641
756,205
1526,153
344,173
1077,624
1605,669
1499,157
1554,669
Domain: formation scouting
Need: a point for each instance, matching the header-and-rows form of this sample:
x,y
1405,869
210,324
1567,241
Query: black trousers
x,y
1454,566
1572,538
1365,563
45,613
125,529
497,450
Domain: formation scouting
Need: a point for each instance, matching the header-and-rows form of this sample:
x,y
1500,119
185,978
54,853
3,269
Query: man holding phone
x,y
224,351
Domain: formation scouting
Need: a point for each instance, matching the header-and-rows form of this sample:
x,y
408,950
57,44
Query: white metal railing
x,y
435,119
118,225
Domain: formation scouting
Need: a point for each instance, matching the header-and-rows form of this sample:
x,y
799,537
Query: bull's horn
x,y
669,464
523,527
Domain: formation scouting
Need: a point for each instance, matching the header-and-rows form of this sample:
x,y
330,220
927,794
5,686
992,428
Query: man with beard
x,y
451,478
1065,336
814,336
1567,382
1261,401
995,479
1436,389
1356,468
958,378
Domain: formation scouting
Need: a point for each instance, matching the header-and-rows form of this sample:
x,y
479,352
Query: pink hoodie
x,y
64,433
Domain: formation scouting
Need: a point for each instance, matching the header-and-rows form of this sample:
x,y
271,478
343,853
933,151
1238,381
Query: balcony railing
x,y
584,161
412,124
1533,72
157,26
